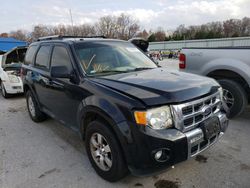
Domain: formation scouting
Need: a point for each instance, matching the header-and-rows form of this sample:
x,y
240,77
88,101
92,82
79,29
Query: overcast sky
x,y
24,14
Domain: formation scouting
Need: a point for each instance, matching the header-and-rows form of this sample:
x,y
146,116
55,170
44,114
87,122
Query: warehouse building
x,y
205,43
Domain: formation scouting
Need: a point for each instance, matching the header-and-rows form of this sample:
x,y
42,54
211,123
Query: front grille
x,y
189,115
16,87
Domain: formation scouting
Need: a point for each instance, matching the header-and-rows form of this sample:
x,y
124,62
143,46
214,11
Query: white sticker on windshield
x,y
133,50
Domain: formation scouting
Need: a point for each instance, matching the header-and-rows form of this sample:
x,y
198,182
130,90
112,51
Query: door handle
x,y
56,84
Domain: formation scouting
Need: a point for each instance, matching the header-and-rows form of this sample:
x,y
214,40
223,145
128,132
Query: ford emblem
x,y
206,110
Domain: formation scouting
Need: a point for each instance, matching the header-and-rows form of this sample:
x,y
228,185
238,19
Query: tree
x,y
143,34
4,35
107,26
232,27
126,26
245,27
160,34
39,31
19,34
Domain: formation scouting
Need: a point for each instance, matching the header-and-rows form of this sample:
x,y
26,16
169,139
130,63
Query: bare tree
x,y
143,34
107,26
126,27
245,27
232,27
160,34
19,34
40,31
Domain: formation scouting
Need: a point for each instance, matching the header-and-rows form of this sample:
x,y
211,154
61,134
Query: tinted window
x,y
30,55
60,57
42,57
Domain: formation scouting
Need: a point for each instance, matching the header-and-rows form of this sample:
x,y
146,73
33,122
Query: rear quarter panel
x,y
204,61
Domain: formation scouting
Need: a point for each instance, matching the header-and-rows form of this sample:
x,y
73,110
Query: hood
x,y
159,85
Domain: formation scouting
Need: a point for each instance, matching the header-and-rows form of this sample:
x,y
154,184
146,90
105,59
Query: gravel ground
x,y
50,155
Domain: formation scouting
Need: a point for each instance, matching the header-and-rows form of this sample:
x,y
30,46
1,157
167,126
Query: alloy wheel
x,y
100,151
228,98
31,106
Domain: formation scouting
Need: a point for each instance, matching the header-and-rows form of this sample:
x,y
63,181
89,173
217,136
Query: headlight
x,y
157,118
13,78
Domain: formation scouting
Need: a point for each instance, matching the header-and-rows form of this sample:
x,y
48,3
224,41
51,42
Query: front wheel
x,y
3,91
234,96
104,152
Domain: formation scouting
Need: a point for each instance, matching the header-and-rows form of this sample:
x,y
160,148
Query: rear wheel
x,y
234,96
35,113
3,91
104,152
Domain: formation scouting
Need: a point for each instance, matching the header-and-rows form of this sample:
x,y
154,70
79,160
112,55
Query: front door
x,y
63,93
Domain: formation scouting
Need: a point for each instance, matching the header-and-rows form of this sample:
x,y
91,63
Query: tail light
x,y
182,61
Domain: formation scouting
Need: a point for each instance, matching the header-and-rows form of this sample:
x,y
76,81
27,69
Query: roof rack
x,y
61,37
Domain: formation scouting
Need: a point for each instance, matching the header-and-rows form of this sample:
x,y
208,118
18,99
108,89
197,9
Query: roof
x,y
7,44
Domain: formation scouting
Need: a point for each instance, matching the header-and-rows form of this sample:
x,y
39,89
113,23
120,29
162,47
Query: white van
x,y
10,69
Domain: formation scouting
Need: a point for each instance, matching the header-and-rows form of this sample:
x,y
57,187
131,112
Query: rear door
x,y
40,75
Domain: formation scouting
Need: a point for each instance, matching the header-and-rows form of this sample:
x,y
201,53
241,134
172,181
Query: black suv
x,y
133,115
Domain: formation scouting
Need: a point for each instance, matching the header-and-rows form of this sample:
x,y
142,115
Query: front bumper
x,y
178,147
13,88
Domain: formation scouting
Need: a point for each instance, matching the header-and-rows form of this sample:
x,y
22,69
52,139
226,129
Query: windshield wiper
x,y
142,68
110,71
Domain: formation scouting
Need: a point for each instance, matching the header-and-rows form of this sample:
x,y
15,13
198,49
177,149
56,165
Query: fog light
x,y
161,155
158,155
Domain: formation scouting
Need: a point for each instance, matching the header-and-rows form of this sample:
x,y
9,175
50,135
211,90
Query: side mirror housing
x,y
60,72
140,43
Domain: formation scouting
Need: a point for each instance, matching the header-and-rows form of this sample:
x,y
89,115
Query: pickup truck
x,y
229,66
133,115
10,67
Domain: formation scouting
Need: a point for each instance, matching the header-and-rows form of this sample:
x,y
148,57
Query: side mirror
x,y
140,43
60,72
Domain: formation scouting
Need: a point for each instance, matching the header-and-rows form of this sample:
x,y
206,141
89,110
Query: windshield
x,y
98,58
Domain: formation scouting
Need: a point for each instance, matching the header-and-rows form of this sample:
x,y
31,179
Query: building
x,y
7,44
204,43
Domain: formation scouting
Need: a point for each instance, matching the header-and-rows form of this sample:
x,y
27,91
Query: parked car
x,y
10,66
134,116
229,66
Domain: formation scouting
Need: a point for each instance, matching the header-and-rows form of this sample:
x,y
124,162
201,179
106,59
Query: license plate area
x,y
210,127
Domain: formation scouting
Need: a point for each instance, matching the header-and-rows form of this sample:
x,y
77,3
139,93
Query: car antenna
x,y
72,23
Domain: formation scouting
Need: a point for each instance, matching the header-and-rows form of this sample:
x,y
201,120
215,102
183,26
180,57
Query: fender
x,y
103,108
120,129
233,65
33,92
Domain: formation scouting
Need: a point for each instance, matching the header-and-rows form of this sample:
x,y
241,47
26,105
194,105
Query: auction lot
x,y
49,155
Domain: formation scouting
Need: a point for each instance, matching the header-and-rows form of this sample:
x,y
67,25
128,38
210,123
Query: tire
x,y
3,91
35,113
118,169
232,88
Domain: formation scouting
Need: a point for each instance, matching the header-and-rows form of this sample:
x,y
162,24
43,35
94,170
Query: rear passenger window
x,y
42,57
60,57
30,55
